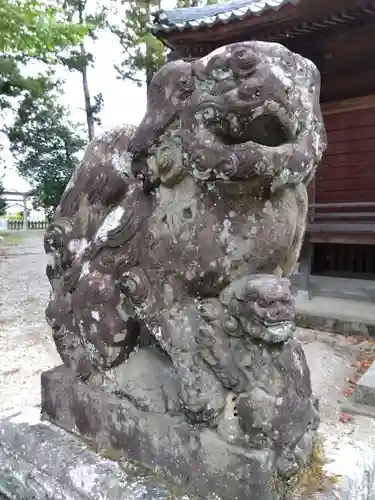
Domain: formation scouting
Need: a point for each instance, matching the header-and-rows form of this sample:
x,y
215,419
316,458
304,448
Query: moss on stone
x,y
138,470
310,479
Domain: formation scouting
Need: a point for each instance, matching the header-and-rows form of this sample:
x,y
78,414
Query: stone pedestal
x,y
198,459
39,461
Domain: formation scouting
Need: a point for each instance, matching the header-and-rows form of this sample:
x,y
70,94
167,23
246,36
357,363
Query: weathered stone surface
x,y
196,457
362,401
39,461
365,389
351,466
170,256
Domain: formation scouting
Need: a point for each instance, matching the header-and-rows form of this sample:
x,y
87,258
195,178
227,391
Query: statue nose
x,y
249,90
245,62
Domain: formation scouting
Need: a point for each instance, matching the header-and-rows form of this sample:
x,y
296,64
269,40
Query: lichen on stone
x,y
171,252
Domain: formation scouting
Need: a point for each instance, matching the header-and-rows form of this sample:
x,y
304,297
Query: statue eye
x,y
240,53
184,80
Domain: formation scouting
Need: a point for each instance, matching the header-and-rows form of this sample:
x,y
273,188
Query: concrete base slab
x,y
335,315
365,389
302,295
353,408
342,288
39,461
196,458
362,401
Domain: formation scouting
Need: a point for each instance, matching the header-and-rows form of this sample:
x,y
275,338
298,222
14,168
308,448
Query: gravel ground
x,y
26,346
333,361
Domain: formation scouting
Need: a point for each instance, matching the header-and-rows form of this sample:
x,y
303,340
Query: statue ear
x,y
148,131
198,70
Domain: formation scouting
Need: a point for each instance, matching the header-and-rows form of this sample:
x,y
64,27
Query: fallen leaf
x,y
348,392
345,417
352,340
365,366
356,339
352,381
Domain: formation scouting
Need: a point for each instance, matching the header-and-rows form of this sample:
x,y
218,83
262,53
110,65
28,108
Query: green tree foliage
x,y
143,54
29,30
46,145
35,28
15,84
85,13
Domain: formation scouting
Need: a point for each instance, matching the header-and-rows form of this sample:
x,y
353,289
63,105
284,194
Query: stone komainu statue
x,y
173,243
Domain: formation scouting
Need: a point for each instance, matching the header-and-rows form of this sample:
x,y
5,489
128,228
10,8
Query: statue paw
x,y
202,396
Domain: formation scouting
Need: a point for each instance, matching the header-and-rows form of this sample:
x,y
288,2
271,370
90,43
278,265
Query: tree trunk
x,y
149,53
86,93
85,83
149,69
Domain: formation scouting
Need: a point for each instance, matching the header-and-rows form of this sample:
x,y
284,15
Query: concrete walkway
x,y
26,344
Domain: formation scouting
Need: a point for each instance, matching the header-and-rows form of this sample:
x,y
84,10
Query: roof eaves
x,y
201,17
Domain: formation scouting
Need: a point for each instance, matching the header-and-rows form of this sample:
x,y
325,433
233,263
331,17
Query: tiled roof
x,y
198,17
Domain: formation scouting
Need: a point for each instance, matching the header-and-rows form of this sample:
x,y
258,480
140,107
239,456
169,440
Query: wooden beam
x,y
365,204
342,238
342,227
286,18
354,104
305,265
344,215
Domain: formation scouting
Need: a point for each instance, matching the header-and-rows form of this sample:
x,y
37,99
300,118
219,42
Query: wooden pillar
x,y
25,221
174,55
305,265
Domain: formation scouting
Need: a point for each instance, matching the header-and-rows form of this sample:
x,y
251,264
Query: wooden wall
x,y
347,171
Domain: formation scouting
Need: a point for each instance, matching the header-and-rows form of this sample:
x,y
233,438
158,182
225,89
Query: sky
x,y
124,102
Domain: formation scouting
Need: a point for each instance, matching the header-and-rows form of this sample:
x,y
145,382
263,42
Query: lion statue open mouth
x,y
177,238
253,110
